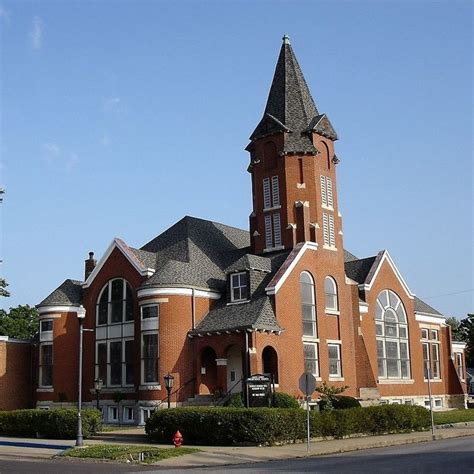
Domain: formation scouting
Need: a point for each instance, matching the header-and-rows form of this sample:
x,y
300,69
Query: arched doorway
x,y
208,374
234,369
270,362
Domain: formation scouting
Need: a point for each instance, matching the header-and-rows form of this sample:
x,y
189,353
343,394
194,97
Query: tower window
x,y
326,192
308,306
329,235
271,192
272,231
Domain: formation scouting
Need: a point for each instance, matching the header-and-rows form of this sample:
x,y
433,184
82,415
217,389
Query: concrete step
x,y
200,401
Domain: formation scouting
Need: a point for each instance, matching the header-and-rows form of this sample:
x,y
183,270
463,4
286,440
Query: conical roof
x,y
290,106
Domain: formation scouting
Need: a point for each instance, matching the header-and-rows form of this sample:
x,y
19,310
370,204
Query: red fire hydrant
x,y
177,439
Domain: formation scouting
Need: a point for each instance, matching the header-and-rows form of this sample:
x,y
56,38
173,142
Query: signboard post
x,y
307,384
259,390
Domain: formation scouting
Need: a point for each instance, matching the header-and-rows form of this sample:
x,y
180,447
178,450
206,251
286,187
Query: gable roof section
x,y
384,256
288,265
251,262
132,257
69,293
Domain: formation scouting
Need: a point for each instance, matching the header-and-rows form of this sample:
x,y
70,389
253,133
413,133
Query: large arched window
x,y
393,352
308,307
330,291
115,304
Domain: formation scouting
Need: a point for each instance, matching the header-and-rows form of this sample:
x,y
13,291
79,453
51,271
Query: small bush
x,y
59,423
229,426
235,401
343,402
283,400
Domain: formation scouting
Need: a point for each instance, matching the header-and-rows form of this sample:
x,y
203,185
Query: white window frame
x,y
338,361
125,412
142,360
110,410
150,305
124,361
40,381
108,287
48,331
389,302
240,286
334,295
430,339
314,360
460,365
312,304
149,411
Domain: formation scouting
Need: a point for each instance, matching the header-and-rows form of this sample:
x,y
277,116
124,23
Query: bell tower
x,y
293,167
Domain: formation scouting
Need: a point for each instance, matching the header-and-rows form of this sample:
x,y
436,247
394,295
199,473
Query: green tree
x,y
455,329
329,394
20,322
467,331
3,285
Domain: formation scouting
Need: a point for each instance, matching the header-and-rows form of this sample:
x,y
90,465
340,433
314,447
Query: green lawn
x,y
453,416
124,453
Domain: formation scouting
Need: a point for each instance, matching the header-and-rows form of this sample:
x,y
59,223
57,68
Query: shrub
x,y
59,423
283,400
235,401
343,402
229,426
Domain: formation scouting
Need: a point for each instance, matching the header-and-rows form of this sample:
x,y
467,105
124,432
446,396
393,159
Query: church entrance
x,y
234,369
208,373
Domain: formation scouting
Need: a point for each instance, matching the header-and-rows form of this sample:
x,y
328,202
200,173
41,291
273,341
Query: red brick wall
x,y
15,375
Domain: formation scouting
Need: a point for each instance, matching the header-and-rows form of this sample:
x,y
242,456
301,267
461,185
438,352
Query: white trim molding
x,y
430,318
458,346
213,295
122,246
57,309
153,301
384,256
272,290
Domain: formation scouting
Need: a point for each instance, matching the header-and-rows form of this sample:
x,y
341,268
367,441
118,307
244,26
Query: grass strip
x,y
127,453
453,416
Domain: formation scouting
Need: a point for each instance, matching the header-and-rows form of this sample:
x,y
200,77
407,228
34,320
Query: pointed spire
x,y
290,107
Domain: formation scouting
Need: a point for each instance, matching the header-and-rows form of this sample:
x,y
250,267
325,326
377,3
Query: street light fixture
x,y
81,314
169,380
98,388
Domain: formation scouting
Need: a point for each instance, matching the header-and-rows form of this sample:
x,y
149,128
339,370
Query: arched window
x,y
330,291
115,304
391,331
270,362
308,307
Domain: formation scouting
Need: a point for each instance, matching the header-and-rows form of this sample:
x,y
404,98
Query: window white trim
x,y
241,285
142,359
331,294
126,411
312,360
41,365
338,360
113,414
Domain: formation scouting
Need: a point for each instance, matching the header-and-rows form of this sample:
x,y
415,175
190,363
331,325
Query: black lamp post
x,y
98,388
169,380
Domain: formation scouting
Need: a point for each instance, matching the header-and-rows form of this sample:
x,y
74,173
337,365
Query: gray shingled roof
x,y
358,270
251,262
290,107
255,314
195,252
68,293
422,307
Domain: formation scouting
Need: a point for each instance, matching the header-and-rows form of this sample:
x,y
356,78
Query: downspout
x,y
193,309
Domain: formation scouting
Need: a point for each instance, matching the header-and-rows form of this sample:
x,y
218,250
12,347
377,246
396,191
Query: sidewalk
x,y
217,455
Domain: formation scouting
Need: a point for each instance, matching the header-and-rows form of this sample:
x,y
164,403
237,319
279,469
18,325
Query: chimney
x,y
91,262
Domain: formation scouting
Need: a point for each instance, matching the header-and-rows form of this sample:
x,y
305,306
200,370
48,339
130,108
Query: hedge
x,y
59,423
229,426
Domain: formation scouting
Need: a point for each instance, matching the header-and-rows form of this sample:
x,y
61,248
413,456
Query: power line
x,y
447,294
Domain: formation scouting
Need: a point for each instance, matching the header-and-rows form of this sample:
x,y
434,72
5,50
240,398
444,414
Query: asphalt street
x,y
445,456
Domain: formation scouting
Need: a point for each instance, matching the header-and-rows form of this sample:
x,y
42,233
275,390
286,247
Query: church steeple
x,y
290,107
293,166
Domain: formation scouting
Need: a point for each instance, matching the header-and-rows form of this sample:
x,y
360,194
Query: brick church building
x,y
211,304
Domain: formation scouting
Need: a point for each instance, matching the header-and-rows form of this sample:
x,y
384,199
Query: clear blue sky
x,y
118,118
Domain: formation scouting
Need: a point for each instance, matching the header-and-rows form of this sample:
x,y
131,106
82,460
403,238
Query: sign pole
x,y
307,423
307,384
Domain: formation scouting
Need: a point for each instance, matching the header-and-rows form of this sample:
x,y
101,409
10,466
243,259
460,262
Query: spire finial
x,y
286,39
